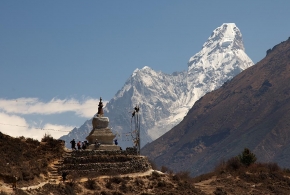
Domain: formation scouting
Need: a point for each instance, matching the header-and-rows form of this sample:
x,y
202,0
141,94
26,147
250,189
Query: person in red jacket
x,y
79,145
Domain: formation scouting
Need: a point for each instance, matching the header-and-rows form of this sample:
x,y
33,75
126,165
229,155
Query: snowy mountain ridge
x,y
164,99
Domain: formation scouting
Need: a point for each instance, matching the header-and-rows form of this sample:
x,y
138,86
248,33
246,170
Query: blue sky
x,y
58,57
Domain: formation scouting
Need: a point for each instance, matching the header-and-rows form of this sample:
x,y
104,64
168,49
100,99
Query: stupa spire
x,y
100,108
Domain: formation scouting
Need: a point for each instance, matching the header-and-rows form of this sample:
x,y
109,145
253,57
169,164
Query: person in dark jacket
x,y
84,145
73,144
14,180
64,174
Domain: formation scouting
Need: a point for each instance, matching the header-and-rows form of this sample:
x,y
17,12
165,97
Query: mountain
x,y
164,99
252,110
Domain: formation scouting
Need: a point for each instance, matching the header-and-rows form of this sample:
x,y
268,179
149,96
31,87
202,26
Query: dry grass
x,y
231,177
116,185
25,157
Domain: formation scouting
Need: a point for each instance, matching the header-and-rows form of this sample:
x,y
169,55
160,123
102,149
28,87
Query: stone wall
x,y
98,159
104,163
82,153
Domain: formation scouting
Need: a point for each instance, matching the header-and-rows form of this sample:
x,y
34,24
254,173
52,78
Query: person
x,y
83,146
73,144
97,143
116,142
64,174
79,145
14,180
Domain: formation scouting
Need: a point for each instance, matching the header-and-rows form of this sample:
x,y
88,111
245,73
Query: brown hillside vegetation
x,y
26,158
239,175
235,176
227,179
252,110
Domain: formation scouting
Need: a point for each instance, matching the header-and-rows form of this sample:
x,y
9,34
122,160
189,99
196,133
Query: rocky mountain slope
x,y
164,99
252,110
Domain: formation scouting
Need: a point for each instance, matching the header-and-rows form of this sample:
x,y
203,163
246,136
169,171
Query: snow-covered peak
x,y
224,42
221,58
224,36
146,68
135,72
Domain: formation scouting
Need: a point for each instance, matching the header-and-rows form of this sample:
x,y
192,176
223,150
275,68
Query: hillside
x,y
252,110
229,177
30,160
26,158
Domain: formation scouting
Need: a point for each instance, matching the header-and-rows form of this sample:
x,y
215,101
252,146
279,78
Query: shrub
x,y
161,183
247,157
91,184
139,181
117,193
47,138
72,179
123,188
233,164
273,167
117,179
153,165
220,191
105,193
20,192
165,169
109,184
184,175
69,190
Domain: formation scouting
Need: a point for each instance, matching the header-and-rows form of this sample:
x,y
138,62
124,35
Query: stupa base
x,y
103,147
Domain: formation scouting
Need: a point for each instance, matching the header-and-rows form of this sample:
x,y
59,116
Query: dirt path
x,y
6,188
206,186
83,179
35,186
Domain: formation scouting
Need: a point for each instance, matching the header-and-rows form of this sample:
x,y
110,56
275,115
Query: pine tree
x,y
247,157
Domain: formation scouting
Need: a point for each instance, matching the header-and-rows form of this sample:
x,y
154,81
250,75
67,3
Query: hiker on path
x,y
73,144
64,174
14,180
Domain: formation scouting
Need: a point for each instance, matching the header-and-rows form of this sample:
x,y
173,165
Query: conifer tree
x,y
247,157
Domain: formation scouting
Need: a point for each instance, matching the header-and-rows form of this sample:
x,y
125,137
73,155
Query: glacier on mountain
x,y
164,99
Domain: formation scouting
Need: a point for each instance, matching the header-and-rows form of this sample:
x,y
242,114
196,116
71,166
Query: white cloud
x,y
14,112
86,108
57,131
16,126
